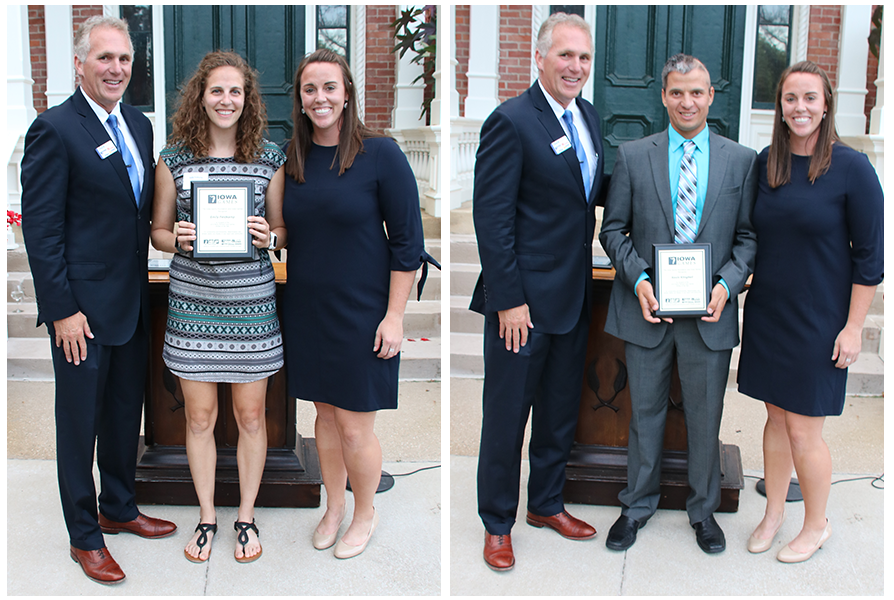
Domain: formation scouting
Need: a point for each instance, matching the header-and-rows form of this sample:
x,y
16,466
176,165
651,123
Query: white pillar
x,y
407,95
877,114
438,99
484,60
19,100
452,64
60,53
19,104
853,49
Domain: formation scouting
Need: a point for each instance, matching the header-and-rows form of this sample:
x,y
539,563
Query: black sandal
x,y
202,541
242,538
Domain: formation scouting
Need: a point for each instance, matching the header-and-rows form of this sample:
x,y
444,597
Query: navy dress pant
x,y
99,404
543,379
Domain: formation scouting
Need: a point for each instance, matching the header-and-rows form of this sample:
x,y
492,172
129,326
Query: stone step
x,y
463,320
22,280
461,220
432,290
463,249
422,319
467,355
30,359
463,278
433,247
17,260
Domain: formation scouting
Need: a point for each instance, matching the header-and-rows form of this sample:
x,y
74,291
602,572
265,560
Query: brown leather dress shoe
x,y
142,526
498,552
566,525
98,565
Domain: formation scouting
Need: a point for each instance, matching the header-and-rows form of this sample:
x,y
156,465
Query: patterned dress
x,y
222,324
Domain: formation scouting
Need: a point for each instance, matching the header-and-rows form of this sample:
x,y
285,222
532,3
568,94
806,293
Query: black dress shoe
x,y
709,536
622,535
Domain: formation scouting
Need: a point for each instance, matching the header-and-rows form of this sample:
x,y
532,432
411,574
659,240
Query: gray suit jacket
x,y
639,213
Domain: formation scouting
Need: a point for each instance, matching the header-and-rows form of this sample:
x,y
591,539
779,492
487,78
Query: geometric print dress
x,y
222,324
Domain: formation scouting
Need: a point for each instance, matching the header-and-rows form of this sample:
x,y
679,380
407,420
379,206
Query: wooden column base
x,y
291,477
597,474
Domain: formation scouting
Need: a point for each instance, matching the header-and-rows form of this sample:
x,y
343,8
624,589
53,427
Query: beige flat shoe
x,y
321,542
344,550
787,555
757,545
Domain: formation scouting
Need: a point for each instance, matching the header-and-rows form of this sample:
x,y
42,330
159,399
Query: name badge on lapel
x,y
106,150
560,145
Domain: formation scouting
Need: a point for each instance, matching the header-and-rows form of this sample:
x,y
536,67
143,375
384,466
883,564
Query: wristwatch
x,y
272,244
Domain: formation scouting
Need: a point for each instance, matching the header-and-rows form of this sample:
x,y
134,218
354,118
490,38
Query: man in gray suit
x,y
685,184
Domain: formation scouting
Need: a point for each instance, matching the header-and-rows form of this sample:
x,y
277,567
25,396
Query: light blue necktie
x,y
685,225
579,151
129,161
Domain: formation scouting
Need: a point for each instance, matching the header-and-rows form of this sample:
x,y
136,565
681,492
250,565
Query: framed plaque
x,y
220,210
682,279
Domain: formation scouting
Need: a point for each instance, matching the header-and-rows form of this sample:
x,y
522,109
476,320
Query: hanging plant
x,y
422,40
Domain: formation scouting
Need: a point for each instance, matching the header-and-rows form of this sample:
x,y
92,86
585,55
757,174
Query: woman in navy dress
x,y
351,208
818,217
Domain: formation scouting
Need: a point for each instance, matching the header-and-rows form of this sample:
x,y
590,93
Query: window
x,y
332,28
570,9
772,52
139,92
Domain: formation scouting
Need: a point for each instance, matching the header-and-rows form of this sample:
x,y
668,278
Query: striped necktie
x,y
685,224
129,161
579,151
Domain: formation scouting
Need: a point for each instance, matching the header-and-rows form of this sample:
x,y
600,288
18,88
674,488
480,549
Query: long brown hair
x,y
353,131
779,161
190,122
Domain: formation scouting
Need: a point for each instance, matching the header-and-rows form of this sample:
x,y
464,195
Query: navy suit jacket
x,y
87,242
532,219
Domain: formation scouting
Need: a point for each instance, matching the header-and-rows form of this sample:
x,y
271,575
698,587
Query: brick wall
x,y
871,92
380,66
461,29
822,44
38,41
516,51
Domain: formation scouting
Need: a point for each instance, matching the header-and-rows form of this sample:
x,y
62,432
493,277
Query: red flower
x,y
13,218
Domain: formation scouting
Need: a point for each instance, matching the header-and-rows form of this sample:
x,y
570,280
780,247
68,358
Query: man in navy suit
x,y
538,174
87,184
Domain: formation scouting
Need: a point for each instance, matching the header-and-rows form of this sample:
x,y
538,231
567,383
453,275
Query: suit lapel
x,y
659,162
100,136
717,170
554,131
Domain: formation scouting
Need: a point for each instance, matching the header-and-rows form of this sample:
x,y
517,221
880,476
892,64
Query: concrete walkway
x,y
403,557
665,559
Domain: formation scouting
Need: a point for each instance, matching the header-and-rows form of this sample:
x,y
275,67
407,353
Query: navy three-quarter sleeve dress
x,y
346,234
814,242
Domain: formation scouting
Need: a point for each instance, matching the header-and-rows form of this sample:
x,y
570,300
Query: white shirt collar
x,y
101,113
558,109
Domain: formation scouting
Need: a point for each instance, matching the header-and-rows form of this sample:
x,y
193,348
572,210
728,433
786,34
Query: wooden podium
x,y
597,469
292,473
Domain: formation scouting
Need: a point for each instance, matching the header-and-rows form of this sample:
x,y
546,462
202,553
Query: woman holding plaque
x,y
355,229
818,217
222,325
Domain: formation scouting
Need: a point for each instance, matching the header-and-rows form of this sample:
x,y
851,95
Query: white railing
x,y
464,136
422,147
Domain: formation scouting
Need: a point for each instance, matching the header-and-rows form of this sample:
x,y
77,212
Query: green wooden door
x,y
270,38
631,46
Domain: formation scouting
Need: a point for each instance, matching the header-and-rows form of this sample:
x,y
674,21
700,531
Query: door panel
x,y
631,46
270,38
